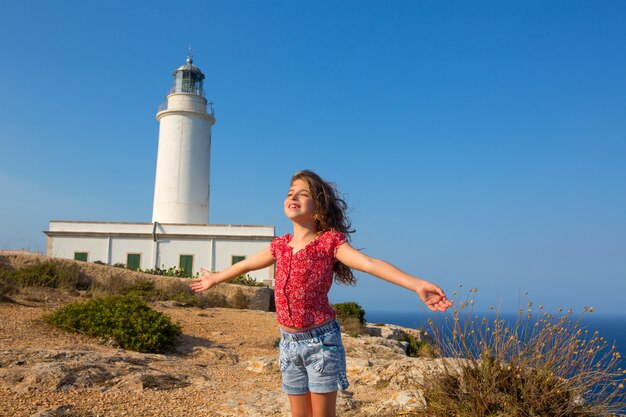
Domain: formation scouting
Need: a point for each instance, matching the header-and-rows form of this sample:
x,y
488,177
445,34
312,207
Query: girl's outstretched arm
x,y
208,279
433,296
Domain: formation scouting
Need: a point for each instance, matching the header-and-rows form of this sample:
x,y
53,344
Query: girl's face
x,y
299,204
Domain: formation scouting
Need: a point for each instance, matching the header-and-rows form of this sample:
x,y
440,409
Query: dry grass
x,y
539,365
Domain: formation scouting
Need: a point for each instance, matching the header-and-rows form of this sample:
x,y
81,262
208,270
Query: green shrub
x,y
169,272
38,275
246,280
127,320
349,309
351,317
416,348
536,366
51,274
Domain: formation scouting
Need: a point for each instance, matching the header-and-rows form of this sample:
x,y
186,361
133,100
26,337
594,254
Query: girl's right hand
x,y
206,281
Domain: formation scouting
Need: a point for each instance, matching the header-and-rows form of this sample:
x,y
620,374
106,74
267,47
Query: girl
x,y
312,357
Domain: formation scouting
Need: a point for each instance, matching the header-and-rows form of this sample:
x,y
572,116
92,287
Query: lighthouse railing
x,y
203,108
187,88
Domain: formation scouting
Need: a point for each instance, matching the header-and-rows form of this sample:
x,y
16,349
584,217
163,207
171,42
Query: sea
x,y
611,327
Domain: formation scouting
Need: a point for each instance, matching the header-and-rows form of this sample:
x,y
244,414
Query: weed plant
x,y
247,280
538,365
168,272
125,319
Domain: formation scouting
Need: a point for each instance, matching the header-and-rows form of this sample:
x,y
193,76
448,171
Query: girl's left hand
x,y
433,296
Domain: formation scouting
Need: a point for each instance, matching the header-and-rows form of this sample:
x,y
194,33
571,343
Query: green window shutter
x,y
133,261
80,256
237,258
186,264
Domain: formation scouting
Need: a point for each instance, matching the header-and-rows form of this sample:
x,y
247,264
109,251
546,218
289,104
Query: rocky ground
x,y
225,365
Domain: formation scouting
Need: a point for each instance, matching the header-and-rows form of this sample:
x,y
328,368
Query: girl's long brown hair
x,y
330,214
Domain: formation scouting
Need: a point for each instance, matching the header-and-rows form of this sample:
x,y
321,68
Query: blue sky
x,y
481,143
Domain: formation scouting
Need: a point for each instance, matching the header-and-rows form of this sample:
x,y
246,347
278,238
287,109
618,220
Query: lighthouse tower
x,y
181,189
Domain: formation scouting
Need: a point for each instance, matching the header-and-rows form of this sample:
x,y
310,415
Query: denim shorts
x,y
313,361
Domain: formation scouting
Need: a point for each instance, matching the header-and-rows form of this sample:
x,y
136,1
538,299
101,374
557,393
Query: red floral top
x,y
304,278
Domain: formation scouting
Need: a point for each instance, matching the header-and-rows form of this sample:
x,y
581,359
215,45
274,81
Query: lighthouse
x,y
181,188
179,235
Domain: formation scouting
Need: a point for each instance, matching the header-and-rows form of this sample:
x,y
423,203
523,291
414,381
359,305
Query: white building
x,y
179,235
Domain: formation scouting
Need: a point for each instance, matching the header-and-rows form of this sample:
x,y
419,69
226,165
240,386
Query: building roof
x,y
189,66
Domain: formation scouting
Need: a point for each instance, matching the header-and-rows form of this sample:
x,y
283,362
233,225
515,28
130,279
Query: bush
x,y
247,280
169,272
548,366
349,309
127,320
51,274
416,348
351,317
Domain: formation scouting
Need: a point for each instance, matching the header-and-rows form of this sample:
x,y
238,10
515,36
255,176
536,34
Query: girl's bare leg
x,y
324,405
301,405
